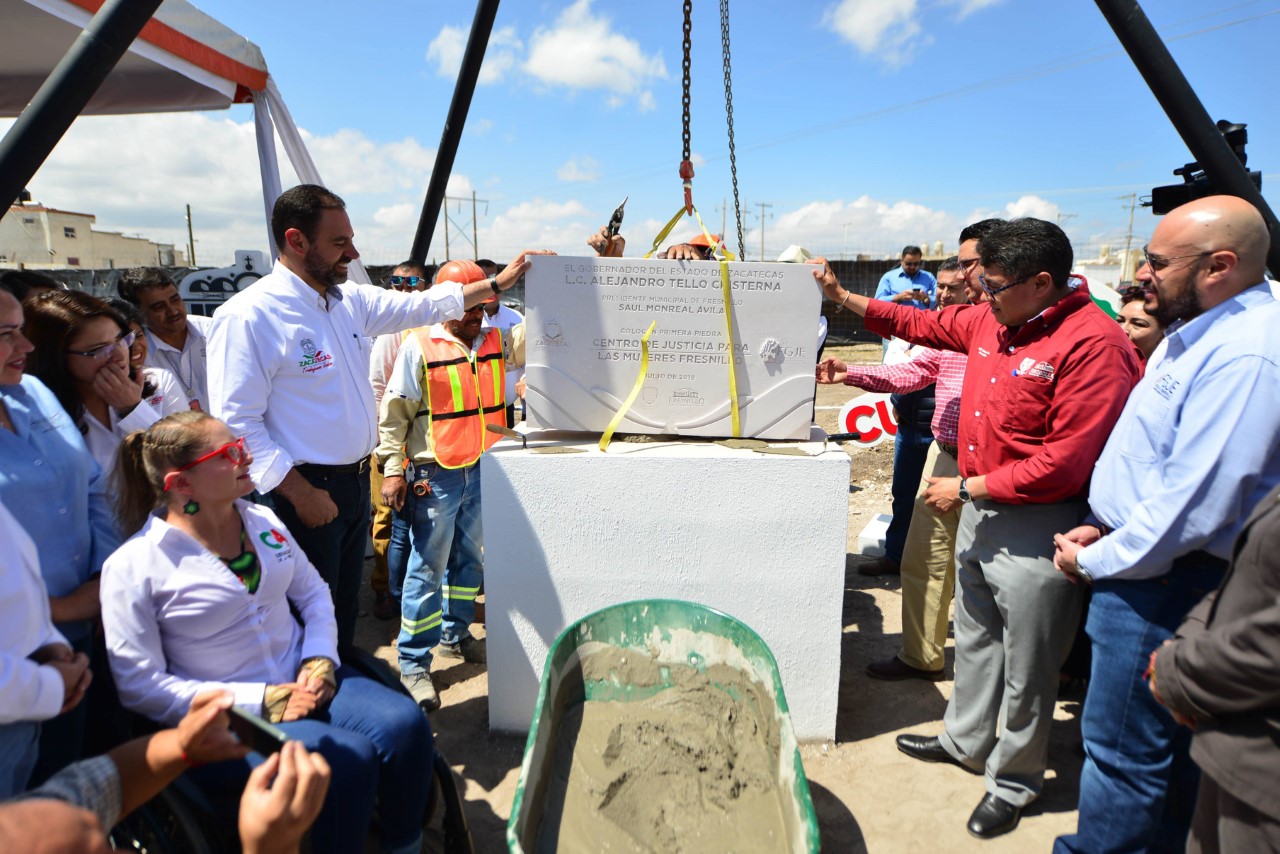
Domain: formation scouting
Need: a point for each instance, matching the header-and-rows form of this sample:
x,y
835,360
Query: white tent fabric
x,y
182,60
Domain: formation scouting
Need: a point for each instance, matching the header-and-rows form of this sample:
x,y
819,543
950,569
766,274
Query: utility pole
x,y
1063,217
191,240
844,250
474,233
445,211
724,211
1128,239
762,206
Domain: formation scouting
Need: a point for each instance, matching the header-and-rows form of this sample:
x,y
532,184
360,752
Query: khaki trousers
x,y
379,579
929,571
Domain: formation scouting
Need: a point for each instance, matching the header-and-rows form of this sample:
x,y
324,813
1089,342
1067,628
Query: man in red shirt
x,y
1047,377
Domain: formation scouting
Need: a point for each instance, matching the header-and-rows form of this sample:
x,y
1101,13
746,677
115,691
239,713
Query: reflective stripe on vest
x,y
463,393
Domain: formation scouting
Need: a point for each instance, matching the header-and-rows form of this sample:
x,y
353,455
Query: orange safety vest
x,y
464,392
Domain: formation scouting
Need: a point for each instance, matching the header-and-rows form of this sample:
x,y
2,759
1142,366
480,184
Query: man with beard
x,y
446,387
288,372
1193,453
1047,375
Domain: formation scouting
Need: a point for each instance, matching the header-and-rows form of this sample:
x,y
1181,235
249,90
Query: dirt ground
x,y
867,795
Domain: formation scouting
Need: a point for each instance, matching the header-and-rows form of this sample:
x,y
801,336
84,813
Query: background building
x,y
41,238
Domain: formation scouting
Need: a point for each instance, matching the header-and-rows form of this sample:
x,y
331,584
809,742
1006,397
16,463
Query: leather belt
x,y
950,450
357,468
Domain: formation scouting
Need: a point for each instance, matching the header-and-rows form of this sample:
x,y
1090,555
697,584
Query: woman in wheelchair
x,y
212,592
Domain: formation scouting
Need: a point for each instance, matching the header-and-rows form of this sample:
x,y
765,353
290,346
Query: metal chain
x,y
688,27
728,112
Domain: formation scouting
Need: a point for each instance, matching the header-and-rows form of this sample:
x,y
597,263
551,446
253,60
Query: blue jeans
x,y
910,449
398,548
379,745
1138,785
445,565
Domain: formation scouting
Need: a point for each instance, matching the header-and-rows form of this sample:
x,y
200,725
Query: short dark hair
x,y
485,264
976,230
911,250
23,283
130,312
1133,293
1021,248
301,207
418,269
135,280
950,265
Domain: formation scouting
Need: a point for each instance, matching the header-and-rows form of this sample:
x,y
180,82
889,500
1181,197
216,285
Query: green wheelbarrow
x,y
661,725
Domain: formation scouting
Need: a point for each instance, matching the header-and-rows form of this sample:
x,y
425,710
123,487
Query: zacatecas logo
x,y
313,358
553,337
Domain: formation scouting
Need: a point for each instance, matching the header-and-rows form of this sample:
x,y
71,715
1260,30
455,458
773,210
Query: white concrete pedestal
x,y
760,537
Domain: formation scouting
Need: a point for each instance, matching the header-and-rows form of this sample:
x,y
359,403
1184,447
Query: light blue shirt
x,y
896,281
56,491
1196,446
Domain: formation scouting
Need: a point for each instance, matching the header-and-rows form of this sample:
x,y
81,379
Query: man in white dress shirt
x,y
176,341
289,371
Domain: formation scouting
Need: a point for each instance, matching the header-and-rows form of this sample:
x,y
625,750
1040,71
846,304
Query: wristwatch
x,y
965,496
493,283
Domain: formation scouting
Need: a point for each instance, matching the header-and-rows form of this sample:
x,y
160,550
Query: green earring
x,y
191,508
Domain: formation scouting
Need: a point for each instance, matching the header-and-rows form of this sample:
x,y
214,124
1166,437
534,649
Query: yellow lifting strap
x,y
635,389
724,256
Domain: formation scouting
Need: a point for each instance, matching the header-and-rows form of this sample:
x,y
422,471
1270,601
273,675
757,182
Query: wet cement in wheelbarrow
x,y
692,768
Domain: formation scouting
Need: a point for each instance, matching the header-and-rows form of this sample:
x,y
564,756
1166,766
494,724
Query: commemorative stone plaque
x,y
585,318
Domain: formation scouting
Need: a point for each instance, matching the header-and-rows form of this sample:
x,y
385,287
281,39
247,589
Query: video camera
x,y
1196,184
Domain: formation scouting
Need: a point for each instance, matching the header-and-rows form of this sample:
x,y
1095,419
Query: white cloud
x,y
581,51
137,173
1032,206
500,56
965,8
879,28
579,169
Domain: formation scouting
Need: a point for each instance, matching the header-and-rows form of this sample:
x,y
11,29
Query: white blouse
x,y
178,621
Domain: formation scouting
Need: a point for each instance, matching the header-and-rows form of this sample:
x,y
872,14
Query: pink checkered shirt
x,y
944,367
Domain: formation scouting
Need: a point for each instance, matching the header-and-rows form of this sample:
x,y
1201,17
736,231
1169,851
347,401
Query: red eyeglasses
x,y
233,451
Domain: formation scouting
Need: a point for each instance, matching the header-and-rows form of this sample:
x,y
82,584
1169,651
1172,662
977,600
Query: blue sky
x,y
861,124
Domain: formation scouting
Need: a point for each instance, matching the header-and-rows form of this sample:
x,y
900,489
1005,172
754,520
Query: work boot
x,y
385,605
469,649
423,690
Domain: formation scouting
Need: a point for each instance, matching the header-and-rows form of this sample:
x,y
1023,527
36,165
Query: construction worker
x,y
445,388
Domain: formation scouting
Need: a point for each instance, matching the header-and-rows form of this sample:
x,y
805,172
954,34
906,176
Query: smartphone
x,y
253,731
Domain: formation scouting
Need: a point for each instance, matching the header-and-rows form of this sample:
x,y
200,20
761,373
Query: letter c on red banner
x,y
851,423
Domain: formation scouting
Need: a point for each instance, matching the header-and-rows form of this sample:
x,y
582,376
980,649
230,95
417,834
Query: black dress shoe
x,y
880,566
895,669
928,749
993,817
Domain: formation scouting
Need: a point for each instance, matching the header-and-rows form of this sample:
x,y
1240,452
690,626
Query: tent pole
x,y
1186,112
477,42
67,91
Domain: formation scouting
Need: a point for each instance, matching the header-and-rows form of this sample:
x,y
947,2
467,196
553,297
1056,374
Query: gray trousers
x,y
1015,619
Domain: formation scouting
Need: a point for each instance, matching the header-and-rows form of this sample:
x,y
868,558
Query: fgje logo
x,y
313,359
273,539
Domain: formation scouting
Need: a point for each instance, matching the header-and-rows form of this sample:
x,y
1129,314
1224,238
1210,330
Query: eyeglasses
x,y
992,292
103,352
405,283
235,452
1159,262
967,264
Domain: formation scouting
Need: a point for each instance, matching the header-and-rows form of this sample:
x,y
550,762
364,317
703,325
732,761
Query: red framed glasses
x,y
233,451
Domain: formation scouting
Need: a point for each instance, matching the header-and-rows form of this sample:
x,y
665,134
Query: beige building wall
x,y
46,238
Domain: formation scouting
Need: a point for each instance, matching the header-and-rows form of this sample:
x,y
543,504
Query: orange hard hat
x,y
701,240
463,272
